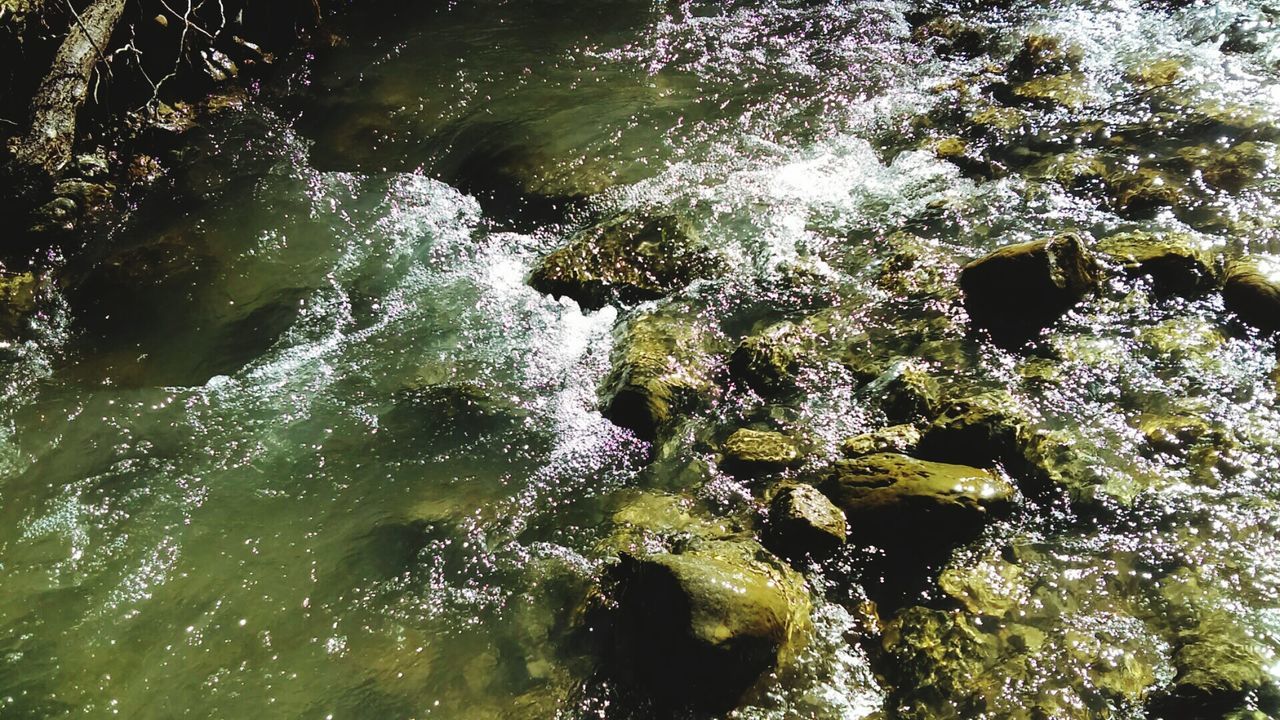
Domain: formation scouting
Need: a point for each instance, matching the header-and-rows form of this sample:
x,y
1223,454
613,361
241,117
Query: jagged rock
x,y
628,259
700,627
1174,264
895,500
749,451
1020,289
897,438
1252,296
660,365
803,522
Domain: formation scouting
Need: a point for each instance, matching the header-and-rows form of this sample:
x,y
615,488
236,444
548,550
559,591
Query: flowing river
x,y
297,438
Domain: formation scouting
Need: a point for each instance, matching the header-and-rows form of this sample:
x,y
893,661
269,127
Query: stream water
x,y
298,440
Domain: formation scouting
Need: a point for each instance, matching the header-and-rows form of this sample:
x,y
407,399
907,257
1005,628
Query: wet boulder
x,y
754,452
700,627
893,500
804,523
627,259
1020,289
661,365
1252,295
896,438
1172,261
977,430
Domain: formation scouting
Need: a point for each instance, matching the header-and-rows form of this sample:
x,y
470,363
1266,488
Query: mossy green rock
x,y
1252,295
700,627
804,523
896,438
1172,261
661,364
1019,289
895,500
628,259
749,451
18,295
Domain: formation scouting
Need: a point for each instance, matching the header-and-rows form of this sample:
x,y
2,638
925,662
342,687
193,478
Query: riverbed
x,y
297,437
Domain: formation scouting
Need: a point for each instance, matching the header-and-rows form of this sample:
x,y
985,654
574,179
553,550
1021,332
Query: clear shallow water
x,y
297,440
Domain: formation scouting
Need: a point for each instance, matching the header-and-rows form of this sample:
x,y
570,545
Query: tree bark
x,y
46,147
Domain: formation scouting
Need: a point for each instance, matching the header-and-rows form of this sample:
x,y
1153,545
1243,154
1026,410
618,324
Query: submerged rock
x,y
660,365
770,360
907,392
700,627
628,259
1020,289
1174,264
1044,55
895,500
1252,296
1232,169
804,523
749,451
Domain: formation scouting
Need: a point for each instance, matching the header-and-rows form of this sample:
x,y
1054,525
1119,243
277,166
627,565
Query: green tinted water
x,y
297,440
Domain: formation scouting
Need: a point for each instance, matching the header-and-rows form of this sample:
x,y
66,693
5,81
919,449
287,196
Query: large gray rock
x,y
628,259
893,500
699,628
1018,290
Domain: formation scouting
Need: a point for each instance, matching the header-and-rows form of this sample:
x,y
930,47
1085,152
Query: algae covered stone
x,y
1020,289
891,499
896,438
749,451
804,523
700,627
1252,295
1172,261
661,364
18,296
628,259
